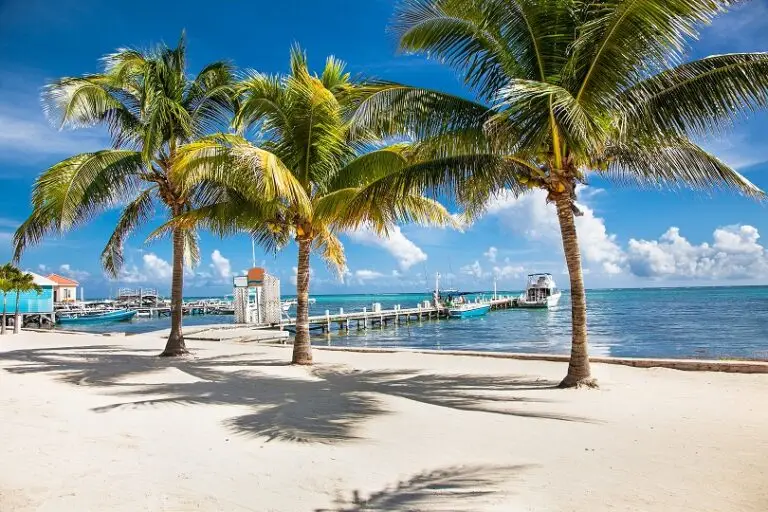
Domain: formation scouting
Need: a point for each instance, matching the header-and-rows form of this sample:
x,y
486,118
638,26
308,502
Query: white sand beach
x,y
94,423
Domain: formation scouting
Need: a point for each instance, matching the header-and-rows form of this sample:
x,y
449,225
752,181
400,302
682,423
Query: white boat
x,y
540,292
288,304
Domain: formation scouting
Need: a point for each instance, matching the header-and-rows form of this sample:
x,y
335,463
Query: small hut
x,y
65,289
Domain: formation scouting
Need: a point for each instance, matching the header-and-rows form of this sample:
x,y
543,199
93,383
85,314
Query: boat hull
x,y
480,310
112,316
550,302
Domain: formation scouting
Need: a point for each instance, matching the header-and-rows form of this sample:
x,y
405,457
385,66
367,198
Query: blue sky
x,y
629,237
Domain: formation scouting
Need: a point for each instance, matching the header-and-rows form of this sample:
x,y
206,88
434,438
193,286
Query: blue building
x,y
32,303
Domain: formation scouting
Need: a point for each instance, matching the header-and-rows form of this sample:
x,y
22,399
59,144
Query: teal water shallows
x,y
721,322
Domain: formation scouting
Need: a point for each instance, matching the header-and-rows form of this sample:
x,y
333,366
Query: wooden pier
x,y
372,319
187,309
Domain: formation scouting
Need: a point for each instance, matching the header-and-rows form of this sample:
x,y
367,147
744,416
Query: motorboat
x,y
84,316
286,305
540,292
469,310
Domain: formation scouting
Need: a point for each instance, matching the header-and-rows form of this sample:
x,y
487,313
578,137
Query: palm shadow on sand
x,y
326,404
457,488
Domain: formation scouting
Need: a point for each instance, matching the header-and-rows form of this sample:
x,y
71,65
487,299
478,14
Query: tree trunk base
x,y
302,362
174,352
578,383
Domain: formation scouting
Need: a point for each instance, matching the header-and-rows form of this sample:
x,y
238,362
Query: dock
x,y
365,319
187,309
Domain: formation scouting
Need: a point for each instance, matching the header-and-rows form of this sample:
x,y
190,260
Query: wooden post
x,y
328,320
365,318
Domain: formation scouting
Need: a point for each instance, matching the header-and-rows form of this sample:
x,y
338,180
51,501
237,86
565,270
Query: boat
x,y
84,317
286,305
469,310
540,292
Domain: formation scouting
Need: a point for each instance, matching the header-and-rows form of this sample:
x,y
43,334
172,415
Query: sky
x,y
629,237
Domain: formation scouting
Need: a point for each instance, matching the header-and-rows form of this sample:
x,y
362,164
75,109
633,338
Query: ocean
x,y
702,323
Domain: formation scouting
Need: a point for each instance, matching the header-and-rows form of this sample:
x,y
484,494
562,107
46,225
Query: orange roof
x,y
62,281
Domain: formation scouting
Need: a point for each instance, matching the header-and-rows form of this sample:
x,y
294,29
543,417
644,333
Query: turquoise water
x,y
671,322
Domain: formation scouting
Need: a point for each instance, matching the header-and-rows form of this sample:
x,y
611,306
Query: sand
x,y
94,423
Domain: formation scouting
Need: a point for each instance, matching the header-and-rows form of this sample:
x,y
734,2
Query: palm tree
x,y
574,88
306,146
22,282
8,274
150,107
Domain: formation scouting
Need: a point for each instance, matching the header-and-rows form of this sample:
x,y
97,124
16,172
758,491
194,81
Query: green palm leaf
x,y
137,212
698,97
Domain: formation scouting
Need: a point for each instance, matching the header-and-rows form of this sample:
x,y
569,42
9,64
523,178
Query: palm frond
x,y
334,77
369,167
138,211
466,35
391,110
698,97
530,106
264,222
318,134
232,162
262,103
81,186
191,249
620,40
211,97
672,162
489,41
75,190
330,248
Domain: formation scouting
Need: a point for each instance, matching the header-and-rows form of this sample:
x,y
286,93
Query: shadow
x,y
461,488
323,404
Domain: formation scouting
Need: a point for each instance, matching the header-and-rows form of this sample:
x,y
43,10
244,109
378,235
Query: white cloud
x,y
531,216
27,132
77,275
157,267
221,266
404,250
734,254
153,269
491,254
367,275
474,270
508,270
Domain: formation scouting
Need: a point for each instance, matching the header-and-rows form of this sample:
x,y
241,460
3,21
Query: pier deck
x,y
370,319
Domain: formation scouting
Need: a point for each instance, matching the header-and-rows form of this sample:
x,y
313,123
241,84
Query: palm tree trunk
x,y
16,319
302,349
176,345
578,368
5,300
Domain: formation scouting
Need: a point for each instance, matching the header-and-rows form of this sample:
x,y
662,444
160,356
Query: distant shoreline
x,y
500,292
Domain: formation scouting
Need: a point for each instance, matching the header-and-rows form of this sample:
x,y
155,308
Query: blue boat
x,y
468,310
94,317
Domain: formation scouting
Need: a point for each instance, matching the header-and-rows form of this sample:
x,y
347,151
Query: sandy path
x,y
97,423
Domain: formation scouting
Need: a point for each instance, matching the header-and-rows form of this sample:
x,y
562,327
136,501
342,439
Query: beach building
x,y
34,304
65,289
257,298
